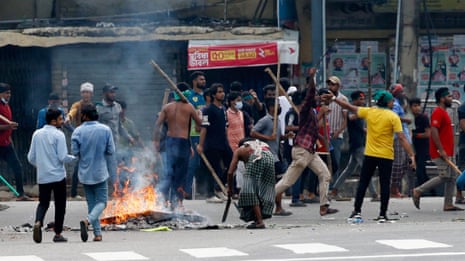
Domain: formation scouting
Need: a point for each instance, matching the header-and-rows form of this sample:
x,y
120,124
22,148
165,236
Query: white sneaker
x,y
214,199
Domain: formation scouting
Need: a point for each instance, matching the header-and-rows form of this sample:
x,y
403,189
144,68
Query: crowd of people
x,y
229,143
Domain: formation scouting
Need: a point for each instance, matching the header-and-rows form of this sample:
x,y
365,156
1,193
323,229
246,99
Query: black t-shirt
x,y
461,113
356,133
421,144
215,120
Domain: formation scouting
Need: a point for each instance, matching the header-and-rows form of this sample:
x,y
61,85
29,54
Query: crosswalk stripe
x,y
408,244
20,258
114,256
213,252
311,248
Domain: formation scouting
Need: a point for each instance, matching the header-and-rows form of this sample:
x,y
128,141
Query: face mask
x,y
239,105
4,101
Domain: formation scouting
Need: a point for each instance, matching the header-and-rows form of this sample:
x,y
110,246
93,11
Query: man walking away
x,y
49,153
93,143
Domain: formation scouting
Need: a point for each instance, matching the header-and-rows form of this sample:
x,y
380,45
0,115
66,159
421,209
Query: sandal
x,y
84,229
98,238
282,213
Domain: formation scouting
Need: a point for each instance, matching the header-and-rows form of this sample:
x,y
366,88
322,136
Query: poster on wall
x,y
352,69
447,64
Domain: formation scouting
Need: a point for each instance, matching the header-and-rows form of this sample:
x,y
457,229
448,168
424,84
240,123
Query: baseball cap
x,y
109,88
334,80
87,86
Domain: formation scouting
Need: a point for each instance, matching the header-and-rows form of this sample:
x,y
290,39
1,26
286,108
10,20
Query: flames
x,y
137,197
130,204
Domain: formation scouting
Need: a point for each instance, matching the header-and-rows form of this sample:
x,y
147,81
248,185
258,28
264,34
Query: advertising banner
x,y
202,57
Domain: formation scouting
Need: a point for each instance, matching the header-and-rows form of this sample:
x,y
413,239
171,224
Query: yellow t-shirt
x,y
381,126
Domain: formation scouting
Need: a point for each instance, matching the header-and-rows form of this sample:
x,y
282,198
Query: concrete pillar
x,y
408,49
317,34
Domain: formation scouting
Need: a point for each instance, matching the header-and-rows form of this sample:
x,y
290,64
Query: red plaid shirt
x,y
308,122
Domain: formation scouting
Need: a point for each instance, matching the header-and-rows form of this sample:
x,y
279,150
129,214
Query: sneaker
x,y
381,219
59,238
37,232
355,215
214,199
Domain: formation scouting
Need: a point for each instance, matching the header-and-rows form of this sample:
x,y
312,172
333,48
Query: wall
x,y
125,65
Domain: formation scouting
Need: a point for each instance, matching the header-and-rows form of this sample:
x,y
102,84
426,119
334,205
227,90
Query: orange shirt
x,y
235,131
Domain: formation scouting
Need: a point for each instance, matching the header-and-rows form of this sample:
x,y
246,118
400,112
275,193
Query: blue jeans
x,y
355,163
96,197
177,161
336,144
194,164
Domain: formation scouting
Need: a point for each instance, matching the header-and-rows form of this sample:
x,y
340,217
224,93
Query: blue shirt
x,y
48,153
397,108
41,116
92,142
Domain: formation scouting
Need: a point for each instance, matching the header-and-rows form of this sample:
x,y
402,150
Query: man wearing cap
x,y
382,124
337,121
109,113
7,151
441,148
74,119
53,103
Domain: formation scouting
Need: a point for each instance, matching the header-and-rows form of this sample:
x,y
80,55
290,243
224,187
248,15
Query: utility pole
x,y
409,46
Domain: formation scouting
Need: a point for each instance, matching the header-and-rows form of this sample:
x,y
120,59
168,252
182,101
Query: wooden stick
x,y
215,176
276,101
165,97
171,83
3,118
453,166
369,76
281,89
327,142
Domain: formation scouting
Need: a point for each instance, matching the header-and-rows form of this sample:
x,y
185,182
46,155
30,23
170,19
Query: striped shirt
x,y
336,117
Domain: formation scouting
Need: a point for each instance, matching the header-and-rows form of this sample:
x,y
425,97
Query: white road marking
x,y
113,256
213,252
20,258
311,248
439,254
408,244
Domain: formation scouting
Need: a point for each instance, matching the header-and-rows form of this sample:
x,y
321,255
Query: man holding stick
x,y
303,153
177,116
214,142
441,149
7,151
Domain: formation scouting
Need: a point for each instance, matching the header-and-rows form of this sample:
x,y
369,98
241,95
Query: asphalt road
x,y
426,234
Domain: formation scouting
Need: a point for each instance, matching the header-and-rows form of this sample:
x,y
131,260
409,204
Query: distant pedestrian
x,y
53,103
93,143
74,119
7,150
49,153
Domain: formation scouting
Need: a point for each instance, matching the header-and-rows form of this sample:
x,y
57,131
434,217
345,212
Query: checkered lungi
x,y
400,164
258,187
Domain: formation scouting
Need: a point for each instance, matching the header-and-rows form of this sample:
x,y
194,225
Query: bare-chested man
x,y
177,116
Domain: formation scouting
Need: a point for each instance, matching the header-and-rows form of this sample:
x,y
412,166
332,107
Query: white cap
x,y
291,90
87,86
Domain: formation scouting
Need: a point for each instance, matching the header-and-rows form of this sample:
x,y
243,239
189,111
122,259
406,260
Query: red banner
x,y
232,55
